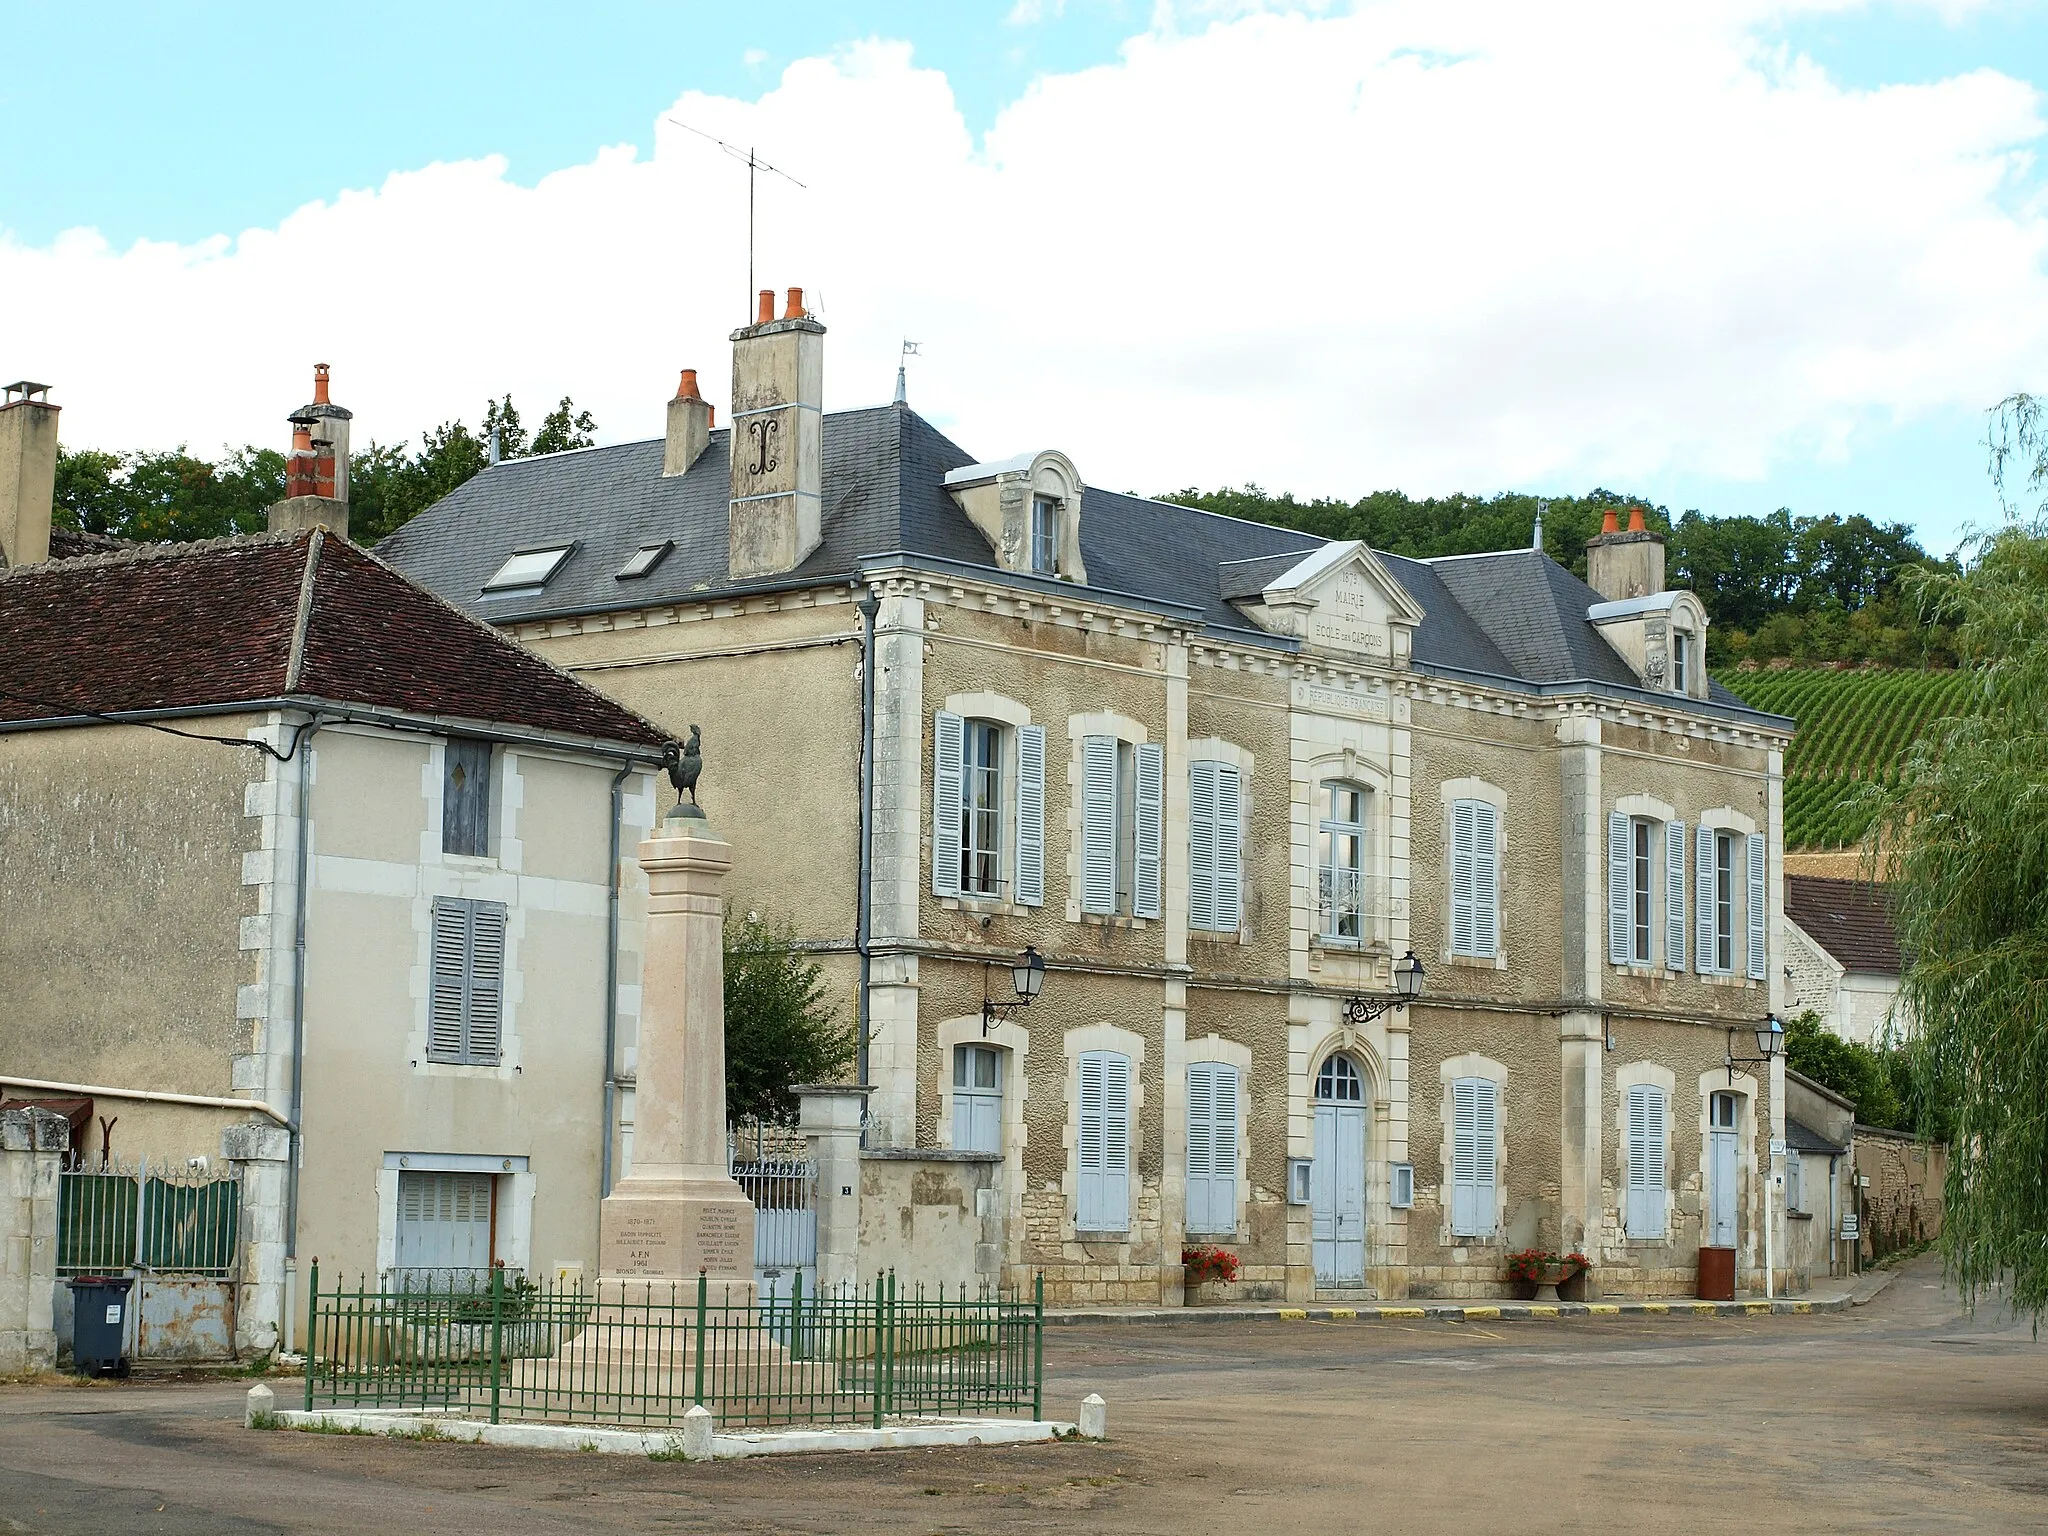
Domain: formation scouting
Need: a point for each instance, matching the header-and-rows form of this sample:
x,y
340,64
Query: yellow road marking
x,y
1490,1313
1342,1314
1603,1308
1293,1314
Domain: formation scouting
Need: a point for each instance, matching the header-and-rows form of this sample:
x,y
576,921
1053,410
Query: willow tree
x,y
1966,829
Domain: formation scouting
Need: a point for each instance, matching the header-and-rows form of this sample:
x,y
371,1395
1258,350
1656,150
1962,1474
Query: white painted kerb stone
x,y
697,1436
1094,1417
261,1404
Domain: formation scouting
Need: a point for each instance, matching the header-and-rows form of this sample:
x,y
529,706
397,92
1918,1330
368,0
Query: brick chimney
x,y
778,437
28,473
690,419
1625,562
316,474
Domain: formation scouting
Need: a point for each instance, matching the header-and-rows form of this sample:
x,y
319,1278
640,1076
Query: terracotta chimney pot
x,y
795,307
1610,522
766,312
320,384
1635,520
687,389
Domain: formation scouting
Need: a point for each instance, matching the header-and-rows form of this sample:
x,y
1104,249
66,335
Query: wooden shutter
x,y
1485,879
1229,849
1202,829
1757,908
1674,895
1212,1147
1475,1124
1150,761
484,1025
1646,1174
466,797
1463,838
1618,914
447,990
1098,824
1103,1185
1029,888
1703,900
949,741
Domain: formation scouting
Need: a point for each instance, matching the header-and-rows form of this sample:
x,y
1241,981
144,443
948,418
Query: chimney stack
x,y
316,474
1623,563
777,449
28,473
690,419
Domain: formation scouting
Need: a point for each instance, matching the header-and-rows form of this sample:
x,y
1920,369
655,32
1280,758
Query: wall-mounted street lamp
x,y
1027,978
1407,987
1770,1042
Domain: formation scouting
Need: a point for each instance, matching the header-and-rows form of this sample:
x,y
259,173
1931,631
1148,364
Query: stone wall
x,y
933,1217
1902,1204
32,1147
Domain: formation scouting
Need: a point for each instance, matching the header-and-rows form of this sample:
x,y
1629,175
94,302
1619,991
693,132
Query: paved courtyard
x,y
1899,1416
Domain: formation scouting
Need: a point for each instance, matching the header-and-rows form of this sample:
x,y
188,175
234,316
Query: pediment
x,y
1341,599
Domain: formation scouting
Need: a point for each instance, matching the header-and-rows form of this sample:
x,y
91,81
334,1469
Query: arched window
x,y
1342,887
1340,1082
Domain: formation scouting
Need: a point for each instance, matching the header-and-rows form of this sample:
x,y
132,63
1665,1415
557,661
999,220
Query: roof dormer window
x,y
1681,661
527,571
1045,536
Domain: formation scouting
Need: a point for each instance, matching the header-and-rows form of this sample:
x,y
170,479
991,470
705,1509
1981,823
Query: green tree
x,y
564,428
166,496
1968,823
1859,1073
780,1027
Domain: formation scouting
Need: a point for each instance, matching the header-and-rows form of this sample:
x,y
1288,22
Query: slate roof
x,y
1512,616
1850,919
297,615
1801,1137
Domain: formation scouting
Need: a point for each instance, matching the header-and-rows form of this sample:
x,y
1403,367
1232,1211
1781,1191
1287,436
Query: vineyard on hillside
x,y
1854,728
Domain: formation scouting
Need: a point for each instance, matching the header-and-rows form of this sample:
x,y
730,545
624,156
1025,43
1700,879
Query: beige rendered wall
x,y
121,906
934,1219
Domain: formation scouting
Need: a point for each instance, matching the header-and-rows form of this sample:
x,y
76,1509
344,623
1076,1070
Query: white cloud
x,y
1415,245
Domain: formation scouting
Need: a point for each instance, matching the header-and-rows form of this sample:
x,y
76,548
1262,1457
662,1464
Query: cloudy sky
x,y
1731,256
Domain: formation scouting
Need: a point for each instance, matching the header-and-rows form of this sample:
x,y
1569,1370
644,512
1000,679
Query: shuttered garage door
x,y
444,1221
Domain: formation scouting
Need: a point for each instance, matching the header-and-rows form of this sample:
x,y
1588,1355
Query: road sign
x,y
1777,1147
1851,1232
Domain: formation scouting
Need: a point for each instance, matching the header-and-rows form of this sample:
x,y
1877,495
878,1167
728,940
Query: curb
x,y
1458,1312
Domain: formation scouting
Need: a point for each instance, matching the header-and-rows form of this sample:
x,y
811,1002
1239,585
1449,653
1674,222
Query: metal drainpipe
x,y
869,606
611,993
291,1199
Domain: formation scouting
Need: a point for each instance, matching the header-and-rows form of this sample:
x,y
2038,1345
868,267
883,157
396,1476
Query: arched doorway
x,y
1337,1178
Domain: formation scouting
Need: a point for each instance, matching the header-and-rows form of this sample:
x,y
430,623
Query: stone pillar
x,y
831,1119
32,1147
1581,1214
261,1154
679,1209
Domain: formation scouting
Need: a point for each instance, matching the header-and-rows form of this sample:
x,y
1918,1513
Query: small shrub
x,y
1205,1263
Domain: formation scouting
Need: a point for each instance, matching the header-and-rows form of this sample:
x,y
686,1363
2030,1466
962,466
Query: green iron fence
x,y
636,1353
112,1218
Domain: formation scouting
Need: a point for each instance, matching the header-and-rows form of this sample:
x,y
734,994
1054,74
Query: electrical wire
x,y
76,710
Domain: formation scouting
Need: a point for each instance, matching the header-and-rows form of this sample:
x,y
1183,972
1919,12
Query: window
x,y
1630,844
1103,1201
1212,1147
444,1223
1681,660
981,853
1122,826
466,1002
970,824
1724,862
1721,1114
1340,877
1475,878
1215,860
1724,902
977,1098
1647,1108
1795,1182
1475,1129
1339,1082
645,559
466,797
1045,536
527,571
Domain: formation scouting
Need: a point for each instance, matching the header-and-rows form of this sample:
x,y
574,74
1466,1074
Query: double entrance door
x,y
1337,1177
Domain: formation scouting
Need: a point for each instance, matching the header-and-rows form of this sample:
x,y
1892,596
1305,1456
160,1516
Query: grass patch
x,y
672,1450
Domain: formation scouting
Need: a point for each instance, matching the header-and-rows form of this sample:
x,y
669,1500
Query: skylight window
x,y
529,569
645,559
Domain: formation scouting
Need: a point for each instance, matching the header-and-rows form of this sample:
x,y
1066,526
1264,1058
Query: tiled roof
x,y
71,543
1515,616
1850,919
187,626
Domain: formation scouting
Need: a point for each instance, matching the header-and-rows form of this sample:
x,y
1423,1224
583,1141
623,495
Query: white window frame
x,y
1336,879
528,570
977,1106
1019,784
983,867
1681,660
1043,556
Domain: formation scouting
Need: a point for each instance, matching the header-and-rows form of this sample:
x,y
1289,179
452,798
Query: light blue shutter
x,y
484,1025
1103,1184
1463,901
1030,885
447,988
1758,908
1212,1147
949,736
1703,900
1646,1174
1485,879
1475,1122
1202,853
1229,855
1674,895
1150,762
1098,824
1617,889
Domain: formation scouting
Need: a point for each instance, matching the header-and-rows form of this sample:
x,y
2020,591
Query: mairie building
x,y
1228,781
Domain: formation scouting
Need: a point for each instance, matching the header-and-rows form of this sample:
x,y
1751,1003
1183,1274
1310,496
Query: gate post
x,y
831,1119
32,1147
259,1154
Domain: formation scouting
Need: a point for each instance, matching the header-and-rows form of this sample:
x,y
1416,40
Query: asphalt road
x,y
1899,1416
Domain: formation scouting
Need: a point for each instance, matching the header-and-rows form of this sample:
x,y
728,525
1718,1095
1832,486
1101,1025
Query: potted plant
x,y
1545,1270
1206,1267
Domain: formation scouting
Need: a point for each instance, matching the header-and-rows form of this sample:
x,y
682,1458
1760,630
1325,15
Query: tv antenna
x,y
753,163
909,351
